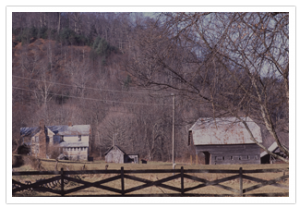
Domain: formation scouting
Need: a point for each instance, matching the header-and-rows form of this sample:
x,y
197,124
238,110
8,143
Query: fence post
x,y
62,181
182,181
241,181
122,180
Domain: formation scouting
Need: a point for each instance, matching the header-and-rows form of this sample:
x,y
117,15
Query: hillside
x,y
116,71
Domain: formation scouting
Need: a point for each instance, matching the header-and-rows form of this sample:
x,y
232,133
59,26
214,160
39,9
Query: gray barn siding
x,y
114,156
231,154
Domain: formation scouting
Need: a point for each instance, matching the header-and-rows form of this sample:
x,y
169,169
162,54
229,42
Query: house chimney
x,y
70,123
42,123
42,140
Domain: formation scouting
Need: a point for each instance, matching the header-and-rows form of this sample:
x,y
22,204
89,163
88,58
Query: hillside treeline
x,y
116,71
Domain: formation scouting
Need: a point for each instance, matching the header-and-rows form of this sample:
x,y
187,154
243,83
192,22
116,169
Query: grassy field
x,y
100,165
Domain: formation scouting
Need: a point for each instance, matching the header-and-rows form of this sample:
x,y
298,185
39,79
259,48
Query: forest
x,y
119,72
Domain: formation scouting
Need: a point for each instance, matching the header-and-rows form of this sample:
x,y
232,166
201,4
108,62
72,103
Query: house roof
x,y
71,130
228,130
58,130
74,144
29,131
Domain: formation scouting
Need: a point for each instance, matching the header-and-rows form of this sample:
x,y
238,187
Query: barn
x,y
225,140
268,159
116,155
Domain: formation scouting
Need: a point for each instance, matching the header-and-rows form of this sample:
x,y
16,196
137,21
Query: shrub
x,y
23,149
69,37
17,161
102,47
53,152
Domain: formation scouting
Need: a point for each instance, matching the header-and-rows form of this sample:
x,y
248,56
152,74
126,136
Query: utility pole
x,y
114,139
173,128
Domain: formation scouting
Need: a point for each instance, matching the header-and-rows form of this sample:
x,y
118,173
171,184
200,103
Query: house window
x,y
79,137
36,139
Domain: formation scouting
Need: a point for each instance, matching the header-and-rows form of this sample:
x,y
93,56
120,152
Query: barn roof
x,y
229,130
58,130
273,148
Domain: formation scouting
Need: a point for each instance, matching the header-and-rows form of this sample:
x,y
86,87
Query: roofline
x,y
264,153
112,147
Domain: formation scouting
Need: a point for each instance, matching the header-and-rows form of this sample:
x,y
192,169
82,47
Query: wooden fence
x,y
63,177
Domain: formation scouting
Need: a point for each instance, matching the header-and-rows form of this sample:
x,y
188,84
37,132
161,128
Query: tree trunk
x,y
58,25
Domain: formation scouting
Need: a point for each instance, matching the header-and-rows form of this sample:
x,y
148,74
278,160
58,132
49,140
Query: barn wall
x,y
231,154
114,156
131,158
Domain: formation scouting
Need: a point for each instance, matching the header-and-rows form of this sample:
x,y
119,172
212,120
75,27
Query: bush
x,y
23,149
54,152
17,161
26,35
69,37
102,47
32,161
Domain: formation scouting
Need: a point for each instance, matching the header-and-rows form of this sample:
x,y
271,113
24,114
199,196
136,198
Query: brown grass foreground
x,y
49,165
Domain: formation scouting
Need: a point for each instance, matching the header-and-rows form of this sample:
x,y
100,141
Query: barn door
x,y
207,158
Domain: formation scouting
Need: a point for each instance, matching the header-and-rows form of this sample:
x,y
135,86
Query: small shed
x,y
268,159
133,158
116,155
225,140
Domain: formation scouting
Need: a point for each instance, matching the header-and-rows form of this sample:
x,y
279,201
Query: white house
x,y
71,140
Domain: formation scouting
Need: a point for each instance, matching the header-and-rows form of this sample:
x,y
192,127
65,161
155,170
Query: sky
x,y
151,11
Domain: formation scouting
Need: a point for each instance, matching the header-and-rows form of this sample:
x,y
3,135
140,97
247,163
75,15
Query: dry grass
x,y
100,165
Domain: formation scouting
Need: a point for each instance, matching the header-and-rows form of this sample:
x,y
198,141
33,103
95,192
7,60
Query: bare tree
x,y
228,60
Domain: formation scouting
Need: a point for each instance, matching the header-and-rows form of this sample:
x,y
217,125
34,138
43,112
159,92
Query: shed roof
x,y
229,130
273,148
111,149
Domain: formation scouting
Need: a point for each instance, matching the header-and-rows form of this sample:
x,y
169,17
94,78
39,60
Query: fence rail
x,y
63,177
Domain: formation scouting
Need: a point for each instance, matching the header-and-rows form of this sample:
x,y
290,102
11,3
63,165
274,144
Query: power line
x,y
93,98
114,111
90,88
100,109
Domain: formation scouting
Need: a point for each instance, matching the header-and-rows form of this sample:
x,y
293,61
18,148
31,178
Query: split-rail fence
x,y
64,177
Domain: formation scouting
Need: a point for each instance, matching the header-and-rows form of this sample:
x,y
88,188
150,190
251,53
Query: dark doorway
x,y
265,159
207,158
